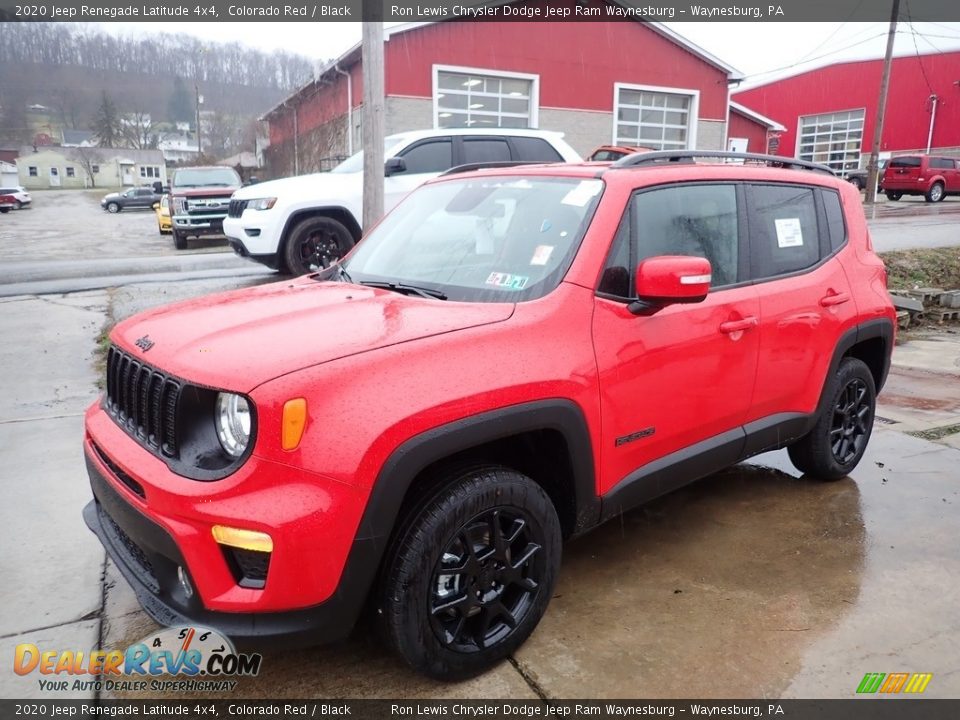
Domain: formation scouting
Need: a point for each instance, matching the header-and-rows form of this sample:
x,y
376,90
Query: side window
x,y
835,223
431,156
942,163
783,230
537,149
484,150
697,220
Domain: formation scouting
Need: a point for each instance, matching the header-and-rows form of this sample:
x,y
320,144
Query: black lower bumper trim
x,y
116,522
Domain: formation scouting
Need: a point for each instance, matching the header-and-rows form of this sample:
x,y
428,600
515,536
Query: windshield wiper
x,y
428,293
343,274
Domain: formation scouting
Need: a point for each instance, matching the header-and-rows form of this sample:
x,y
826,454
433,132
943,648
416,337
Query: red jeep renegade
x,y
511,357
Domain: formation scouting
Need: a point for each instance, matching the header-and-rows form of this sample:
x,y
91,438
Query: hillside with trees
x,y
64,76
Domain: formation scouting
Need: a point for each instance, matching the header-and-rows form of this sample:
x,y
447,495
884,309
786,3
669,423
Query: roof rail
x,y
493,164
689,156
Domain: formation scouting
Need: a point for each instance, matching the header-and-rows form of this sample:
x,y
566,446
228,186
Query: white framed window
x,y
70,172
832,139
149,171
478,98
661,118
32,170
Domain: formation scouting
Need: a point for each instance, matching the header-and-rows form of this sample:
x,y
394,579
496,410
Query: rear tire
x,y
179,240
935,193
315,243
837,442
894,195
19,205
857,183
470,576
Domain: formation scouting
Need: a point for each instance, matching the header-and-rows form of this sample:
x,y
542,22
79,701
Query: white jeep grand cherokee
x,y
303,223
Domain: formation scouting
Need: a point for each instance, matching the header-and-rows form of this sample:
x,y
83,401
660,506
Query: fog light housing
x,y
184,582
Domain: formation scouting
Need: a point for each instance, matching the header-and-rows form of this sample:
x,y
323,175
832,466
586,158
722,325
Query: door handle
x,y
732,326
835,299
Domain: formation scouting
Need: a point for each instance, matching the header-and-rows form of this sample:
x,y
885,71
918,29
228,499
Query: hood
x,y
110,196
238,340
203,192
308,187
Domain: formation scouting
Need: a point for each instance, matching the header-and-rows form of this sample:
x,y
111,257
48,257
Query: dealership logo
x,y
894,683
190,652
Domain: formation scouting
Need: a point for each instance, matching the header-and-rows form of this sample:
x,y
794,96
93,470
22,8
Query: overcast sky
x,y
753,48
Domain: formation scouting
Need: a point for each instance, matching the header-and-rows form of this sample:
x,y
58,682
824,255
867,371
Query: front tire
x,y
314,244
857,183
113,208
837,442
935,193
19,205
179,240
470,577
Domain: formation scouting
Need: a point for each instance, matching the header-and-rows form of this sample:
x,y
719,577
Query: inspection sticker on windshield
x,y
583,193
788,232
506,280
541,255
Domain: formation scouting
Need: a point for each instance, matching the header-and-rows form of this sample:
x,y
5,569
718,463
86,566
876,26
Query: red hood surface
x,y
238,340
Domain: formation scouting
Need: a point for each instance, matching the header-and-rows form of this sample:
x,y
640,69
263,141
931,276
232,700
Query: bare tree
x,y
87,161
139,130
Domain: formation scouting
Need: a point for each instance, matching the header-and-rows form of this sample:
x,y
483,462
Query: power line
x,y
913,34
819,57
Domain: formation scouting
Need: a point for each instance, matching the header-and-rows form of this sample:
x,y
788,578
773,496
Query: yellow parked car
x,y
162,209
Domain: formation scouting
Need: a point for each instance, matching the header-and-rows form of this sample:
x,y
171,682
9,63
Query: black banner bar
x,y
474,10
852,709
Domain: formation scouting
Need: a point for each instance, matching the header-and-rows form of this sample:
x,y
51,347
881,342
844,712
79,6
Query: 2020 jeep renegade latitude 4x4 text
x,y
509,358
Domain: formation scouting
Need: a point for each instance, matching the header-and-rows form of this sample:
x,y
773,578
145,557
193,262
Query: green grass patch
x,y
936,433
933,267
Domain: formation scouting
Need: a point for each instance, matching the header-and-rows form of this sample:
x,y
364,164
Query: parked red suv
x,y
509,358
928,175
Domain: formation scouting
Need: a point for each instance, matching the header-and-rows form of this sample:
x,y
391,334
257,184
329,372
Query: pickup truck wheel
x,y
471,575
316,243
935,193
857,183
179,240
837,442
113,207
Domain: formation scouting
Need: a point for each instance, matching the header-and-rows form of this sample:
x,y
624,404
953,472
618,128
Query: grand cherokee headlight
x,y
232,418
261,203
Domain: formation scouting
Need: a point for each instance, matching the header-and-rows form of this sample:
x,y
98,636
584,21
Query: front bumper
x,y
199,224
306,600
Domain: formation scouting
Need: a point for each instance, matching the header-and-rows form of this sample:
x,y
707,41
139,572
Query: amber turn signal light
x,y
243,539
294,422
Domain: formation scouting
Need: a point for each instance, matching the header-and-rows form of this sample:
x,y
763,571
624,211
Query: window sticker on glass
x,y
507,281
583,193
789,233
541,255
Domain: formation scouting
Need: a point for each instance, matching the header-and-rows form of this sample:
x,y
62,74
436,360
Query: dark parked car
x,y
858,177
141,197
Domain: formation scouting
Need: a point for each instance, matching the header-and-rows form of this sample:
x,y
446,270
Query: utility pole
x,y
373,122
873,166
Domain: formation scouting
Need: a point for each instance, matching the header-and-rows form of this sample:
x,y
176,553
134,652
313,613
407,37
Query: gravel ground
x,y
70,225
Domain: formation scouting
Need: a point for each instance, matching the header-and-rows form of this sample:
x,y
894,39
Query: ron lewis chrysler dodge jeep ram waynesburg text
x,y
509,358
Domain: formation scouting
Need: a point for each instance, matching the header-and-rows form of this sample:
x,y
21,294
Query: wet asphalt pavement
x,y
752,583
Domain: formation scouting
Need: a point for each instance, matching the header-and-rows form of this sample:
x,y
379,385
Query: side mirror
x,y
670,279
393,166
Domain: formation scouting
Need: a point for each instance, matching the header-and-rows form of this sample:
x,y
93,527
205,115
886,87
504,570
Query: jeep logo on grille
x,y
144,343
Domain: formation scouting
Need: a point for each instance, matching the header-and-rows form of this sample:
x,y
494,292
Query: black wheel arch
x,y
871,342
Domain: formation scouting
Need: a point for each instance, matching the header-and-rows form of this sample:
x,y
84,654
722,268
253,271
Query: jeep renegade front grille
x,y
143,401
236,208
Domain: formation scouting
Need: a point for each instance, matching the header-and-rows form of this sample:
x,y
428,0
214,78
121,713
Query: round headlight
x,y
232,417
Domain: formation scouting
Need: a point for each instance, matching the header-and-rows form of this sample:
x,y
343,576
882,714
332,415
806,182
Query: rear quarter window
x,y
784,236
835,222
942,163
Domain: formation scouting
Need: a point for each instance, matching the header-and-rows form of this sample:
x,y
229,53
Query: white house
x,y
55,166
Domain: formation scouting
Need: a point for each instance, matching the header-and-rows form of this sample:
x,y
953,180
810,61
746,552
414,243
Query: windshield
x,y
354,163
500,239
206,177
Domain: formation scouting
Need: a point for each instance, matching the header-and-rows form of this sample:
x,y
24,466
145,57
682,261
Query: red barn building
x,y
626,83
829,112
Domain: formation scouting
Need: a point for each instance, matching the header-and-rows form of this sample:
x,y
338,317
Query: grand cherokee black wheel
x,y
892,195
314,244
471,575
837,442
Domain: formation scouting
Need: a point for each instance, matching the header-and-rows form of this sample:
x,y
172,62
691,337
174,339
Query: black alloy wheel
x,y
486,580
852,417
